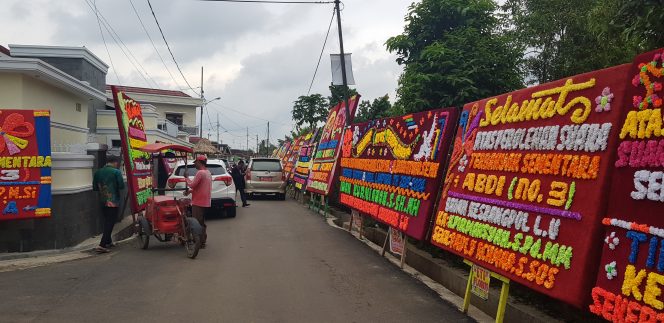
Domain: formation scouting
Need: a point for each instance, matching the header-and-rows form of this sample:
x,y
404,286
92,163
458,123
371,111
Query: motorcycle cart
x,y
168,218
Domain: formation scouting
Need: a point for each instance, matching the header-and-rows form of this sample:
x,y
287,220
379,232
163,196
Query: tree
x,y
635,24
453,52
565,38
379,108
263,150
309,111
337,93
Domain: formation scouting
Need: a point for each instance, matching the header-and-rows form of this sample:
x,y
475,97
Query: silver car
x,y
266,176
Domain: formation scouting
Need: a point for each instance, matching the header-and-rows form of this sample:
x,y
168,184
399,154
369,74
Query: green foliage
x,y
309,110
368,110
264,150
453,52
337,93
640,23
565,38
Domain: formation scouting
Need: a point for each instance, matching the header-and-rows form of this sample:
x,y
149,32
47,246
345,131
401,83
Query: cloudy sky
x,y
258,58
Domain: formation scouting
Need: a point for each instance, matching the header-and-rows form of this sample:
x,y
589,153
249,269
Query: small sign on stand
x,y
398,244
480,286
480,282
355,222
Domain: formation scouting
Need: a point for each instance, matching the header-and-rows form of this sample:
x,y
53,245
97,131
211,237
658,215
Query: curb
x,y
121,236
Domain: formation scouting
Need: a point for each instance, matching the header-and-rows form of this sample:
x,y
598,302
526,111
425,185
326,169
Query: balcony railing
x,y
169,127
190,130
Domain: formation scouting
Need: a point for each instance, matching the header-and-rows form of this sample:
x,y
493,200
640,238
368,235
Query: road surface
x,y
274,262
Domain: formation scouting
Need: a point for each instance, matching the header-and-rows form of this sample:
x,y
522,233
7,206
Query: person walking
x,y
108,182
238,172
201,193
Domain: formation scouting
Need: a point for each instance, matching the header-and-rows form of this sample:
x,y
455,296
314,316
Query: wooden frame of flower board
x,y
391,167
324,168
25,164
630,273
521,194
504,292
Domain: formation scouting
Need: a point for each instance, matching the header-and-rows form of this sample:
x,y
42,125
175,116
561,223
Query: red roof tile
x,y
143,90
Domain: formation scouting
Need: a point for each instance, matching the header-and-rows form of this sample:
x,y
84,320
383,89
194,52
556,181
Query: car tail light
x,y
173,181
226,179
248,175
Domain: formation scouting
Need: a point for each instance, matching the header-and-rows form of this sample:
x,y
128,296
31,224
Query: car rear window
x,y
266,165
214,170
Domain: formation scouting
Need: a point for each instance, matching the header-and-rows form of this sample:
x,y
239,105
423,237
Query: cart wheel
x,y
144,231
193,233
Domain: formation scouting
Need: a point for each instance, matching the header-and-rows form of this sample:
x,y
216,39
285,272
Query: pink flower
x,y
604,100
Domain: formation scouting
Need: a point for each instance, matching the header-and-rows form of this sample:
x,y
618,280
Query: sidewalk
x,y
22,260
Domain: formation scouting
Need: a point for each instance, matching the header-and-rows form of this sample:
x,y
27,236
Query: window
x,y
116,143
191,170
78,107
174,118
266,165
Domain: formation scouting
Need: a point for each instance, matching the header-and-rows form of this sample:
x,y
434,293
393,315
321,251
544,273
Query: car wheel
x,y
231,212
281,196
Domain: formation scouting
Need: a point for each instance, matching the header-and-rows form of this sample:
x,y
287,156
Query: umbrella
x,y
204,146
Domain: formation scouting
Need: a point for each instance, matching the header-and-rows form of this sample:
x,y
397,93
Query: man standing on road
x,y
238,172
108,182
201,193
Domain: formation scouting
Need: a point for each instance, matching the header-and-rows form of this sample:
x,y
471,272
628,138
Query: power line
x,y
119,42
273,1
104,40
321,52
153,45
169,49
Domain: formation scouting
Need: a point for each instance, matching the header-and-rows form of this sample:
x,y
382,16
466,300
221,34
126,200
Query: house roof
x,y
143,90
38,69
58,51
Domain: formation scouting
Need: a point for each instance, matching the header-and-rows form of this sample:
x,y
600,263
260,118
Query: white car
x,y
223,188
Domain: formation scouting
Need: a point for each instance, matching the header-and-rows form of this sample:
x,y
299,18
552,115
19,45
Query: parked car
x,y
223,188
266,176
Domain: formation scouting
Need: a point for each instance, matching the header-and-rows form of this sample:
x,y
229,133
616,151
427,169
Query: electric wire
x,y
273,1
153,44
321,52
169,49
106,46
120,43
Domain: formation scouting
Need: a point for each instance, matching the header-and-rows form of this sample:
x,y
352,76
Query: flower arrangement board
x,y
631,270
282,150
391,168
327,152
304,160
524,192
25,164
132,135
291,157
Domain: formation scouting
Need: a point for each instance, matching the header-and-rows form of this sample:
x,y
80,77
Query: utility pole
x,y
218,142
343,61
247,140
267,149
257,146
202,105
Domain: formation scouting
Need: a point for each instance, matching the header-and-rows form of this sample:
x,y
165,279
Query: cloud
x,y
258,58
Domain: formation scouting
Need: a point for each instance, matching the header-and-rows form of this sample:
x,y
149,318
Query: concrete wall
x,y
75,211
84,71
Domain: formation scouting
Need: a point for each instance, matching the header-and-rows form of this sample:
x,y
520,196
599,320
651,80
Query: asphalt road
x,y
274,262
